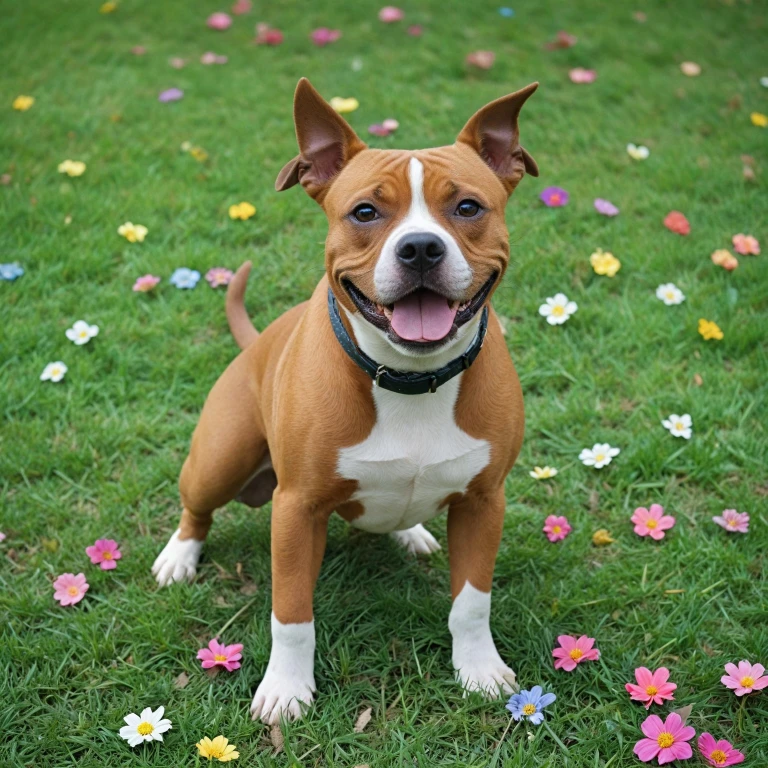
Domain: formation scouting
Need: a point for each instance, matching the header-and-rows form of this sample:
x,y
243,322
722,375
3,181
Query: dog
x,y
388,397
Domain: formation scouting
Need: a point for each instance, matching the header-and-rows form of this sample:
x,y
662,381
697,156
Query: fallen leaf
x,y
594,501
684,712
249,589
212,672
481,59
221,602
748,173
50,545
363,720
239,570
276,737
697,380
182,681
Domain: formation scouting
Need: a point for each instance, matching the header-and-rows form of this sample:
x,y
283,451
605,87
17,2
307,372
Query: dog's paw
x,y
281,695
178,560
486,674
417,540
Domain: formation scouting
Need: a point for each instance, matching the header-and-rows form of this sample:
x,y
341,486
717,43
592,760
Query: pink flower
x,y
676,222
733,521
220,21
652,522
218,655
562,40
209,58
217,276
554,197
241,7
266,35
171,94
2,536
582,76
746,244
145,283
389,14
415,30
666,740
177,63
719,753
606,207
105,552
70,589
573,652
481,59
652,687
745,678
556,528
324,36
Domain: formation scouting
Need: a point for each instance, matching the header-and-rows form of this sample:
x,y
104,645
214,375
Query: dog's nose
x,y
420,251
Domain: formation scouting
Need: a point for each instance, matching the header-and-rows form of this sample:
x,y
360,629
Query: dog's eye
x,y
468,208
365,212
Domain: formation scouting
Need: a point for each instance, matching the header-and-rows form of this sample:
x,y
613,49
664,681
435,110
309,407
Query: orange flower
x,y
725,259
746,244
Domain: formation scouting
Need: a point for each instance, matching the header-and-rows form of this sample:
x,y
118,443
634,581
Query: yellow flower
x,y
604,263
72,167
759,119
543,473
219,749
601,538
344,105
108,7
133,233
200,155
241,211
709,329
23,103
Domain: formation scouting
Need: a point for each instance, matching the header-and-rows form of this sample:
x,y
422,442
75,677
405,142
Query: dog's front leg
x,y
475,524
298,544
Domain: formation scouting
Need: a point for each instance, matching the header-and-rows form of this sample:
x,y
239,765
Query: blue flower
x,y
185,278
507,13
530,704
10,271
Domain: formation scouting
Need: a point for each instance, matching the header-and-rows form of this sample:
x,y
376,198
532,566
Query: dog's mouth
x,y
421,318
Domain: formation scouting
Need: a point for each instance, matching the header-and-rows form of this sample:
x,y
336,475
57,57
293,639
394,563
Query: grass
x,y
99,454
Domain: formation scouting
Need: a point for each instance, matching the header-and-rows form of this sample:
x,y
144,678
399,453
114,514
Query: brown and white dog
x,y
417,243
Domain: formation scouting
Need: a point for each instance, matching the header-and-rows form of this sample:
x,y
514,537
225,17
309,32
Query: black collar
x,y
405,382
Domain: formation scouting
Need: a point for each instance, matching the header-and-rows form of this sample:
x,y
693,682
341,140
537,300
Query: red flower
x,y
677,223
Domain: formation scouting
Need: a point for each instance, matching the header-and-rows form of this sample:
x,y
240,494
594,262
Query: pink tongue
x,y
423,316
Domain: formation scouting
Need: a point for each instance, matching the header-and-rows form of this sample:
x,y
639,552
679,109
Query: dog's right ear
x,y
326,144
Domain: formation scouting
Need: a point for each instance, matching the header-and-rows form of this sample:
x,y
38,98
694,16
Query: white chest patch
x,y
415,456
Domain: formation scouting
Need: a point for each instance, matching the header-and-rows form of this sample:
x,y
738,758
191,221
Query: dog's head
x,y
417,240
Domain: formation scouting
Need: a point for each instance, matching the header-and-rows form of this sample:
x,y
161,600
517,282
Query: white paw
x,y
279,695
486,674
417,540
178,560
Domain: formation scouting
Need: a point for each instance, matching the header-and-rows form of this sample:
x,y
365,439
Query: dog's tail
x,y
237,316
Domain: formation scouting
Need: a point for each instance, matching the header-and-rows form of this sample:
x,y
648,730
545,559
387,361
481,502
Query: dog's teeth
x,y
454,304
387,312
463,306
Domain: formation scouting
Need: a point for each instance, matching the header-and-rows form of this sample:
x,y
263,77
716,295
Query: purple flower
x,y
172,94
605,207
554,197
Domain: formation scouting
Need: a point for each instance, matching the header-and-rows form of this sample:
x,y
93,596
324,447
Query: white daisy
x,y
557,309
599,455
81,333
53,371
542,473
638,152
148,726
670,294
679,426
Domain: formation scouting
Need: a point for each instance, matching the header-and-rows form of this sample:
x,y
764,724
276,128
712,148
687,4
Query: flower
x,y
53,372
604,263
481,59
343,106
171,94
725,259
602,538
679,426
690,68
218,655
543,473
599,455
759,119
81,333
562,40
581,76
177,62
415,30
2,536
652,687
148,726
241,6
138,50
556,528
104,552
70,589
185,278
554,197
745,678
389,14
11,271
217,276
638,152
209,57
384,128
72,167
666,740
557,309
108,7
572,652
506,12
719,753
605,207
670,294
709,330
266,35
324,36
530,704
241,211
764,82
23,103
219,21
745,244
676,222
219,748
133,233
199,154
652,522
733,521
145,283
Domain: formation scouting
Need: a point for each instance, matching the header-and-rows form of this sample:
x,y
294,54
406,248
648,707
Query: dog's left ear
x,y
493,133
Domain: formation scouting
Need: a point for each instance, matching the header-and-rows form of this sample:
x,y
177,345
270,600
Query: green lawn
x,y
98,455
